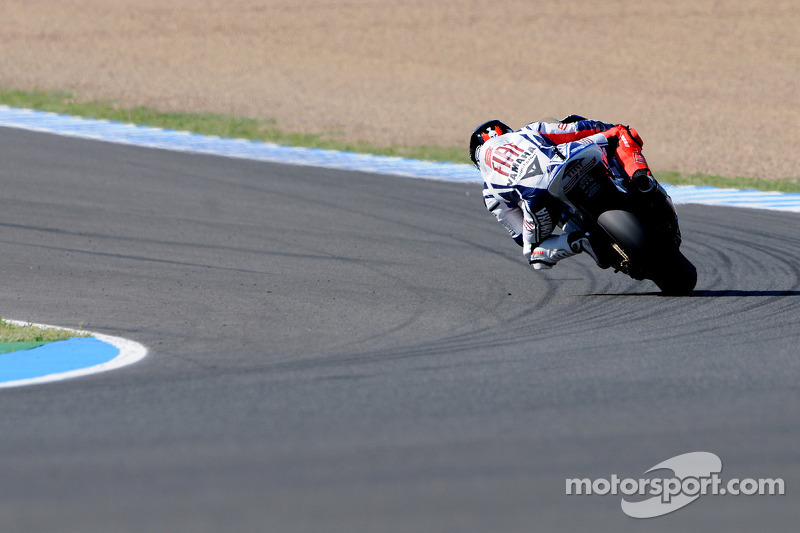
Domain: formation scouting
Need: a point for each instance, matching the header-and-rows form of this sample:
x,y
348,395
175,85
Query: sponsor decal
x,y
487,157
544,221
502,157
574,170
532,169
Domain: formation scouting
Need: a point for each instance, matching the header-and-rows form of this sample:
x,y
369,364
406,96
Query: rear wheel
x,y
676,276
651,254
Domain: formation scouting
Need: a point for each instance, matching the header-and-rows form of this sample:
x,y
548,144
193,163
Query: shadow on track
x,y
708,293
723,293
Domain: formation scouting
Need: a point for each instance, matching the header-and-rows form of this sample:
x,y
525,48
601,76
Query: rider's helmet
x,y
483,133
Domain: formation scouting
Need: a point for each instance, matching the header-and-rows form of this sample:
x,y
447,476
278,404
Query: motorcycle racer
x,y
518,166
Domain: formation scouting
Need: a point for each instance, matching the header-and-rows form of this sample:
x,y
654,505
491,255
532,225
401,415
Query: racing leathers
x,y
517,169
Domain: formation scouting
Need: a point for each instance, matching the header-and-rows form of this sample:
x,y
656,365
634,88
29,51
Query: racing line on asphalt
x,y
79,357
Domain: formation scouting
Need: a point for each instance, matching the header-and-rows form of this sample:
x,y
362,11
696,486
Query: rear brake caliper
x,y
625,265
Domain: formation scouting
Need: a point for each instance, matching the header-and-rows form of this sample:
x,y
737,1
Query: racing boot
x,y
583,240
557,247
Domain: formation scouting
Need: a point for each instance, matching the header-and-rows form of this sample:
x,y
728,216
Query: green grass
x,y
740,182
269,131
30,333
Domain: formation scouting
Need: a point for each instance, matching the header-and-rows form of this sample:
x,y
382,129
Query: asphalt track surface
x,y
334,351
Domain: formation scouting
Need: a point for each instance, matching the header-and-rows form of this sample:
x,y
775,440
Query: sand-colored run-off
x,y
713,87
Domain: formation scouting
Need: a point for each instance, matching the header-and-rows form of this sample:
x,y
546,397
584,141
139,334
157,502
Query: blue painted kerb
x,y
56,358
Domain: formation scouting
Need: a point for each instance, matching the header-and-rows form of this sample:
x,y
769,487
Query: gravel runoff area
x,y
711,86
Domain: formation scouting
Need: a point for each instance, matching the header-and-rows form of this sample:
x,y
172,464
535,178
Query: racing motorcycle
x,y
632,226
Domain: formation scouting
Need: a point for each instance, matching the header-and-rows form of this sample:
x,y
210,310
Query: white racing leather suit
x,y
518,167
